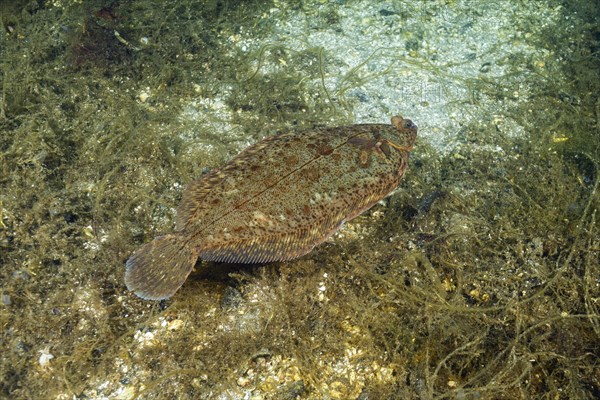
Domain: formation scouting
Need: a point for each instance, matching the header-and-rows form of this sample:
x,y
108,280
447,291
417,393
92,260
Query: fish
x,y
275,201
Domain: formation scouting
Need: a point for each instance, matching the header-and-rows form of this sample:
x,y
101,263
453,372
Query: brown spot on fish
x,y
310,173
306,209
324,150
363,159
292,159
275,201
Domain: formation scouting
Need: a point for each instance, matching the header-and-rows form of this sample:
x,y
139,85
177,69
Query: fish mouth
x,y
400,147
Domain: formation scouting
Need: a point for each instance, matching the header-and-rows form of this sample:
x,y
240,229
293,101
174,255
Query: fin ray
x,y
270,249
157,269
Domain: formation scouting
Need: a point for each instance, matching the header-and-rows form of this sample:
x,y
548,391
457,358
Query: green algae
x,y
479,279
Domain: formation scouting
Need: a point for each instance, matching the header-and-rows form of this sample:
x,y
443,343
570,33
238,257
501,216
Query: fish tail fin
x,y
159,268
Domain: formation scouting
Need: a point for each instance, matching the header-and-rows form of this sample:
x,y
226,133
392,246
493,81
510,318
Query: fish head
x,y
406,134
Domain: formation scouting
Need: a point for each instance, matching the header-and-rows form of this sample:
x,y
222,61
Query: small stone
x,y
143,97
243,381
45,358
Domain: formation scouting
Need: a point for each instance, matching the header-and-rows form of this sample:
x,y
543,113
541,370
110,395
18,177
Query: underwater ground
x,y
478,279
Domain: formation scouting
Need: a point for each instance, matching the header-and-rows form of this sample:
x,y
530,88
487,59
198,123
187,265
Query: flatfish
x,y
275,201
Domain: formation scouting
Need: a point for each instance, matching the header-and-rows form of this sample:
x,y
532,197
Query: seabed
x,y
478,279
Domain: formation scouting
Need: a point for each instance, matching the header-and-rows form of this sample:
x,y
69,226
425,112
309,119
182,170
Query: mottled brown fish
x,y
275,201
